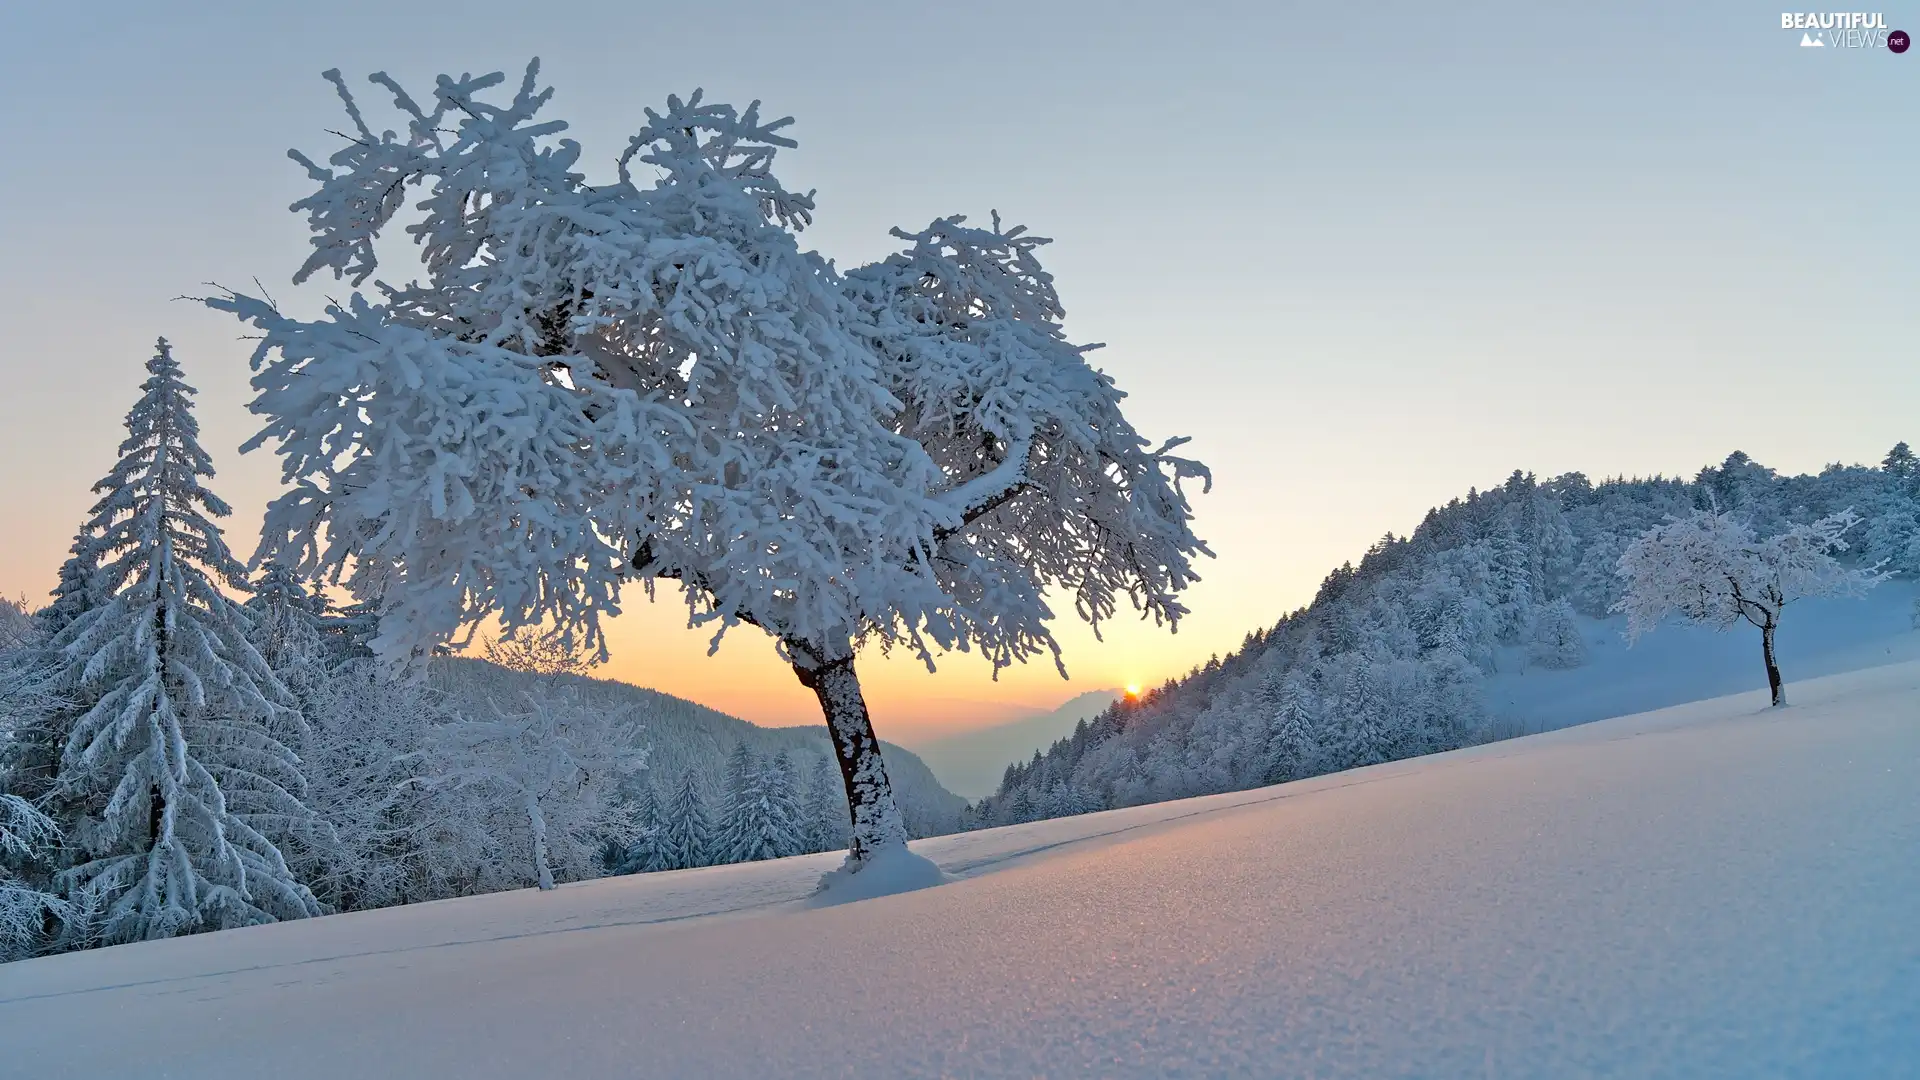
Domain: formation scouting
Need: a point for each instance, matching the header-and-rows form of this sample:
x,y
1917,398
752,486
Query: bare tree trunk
x,y
1773,669
870,803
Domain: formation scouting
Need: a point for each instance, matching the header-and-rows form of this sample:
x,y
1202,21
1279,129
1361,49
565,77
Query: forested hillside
x,y
1393,656
682,736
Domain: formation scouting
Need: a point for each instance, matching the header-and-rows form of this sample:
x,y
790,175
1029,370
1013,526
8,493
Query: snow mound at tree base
x,y
889,870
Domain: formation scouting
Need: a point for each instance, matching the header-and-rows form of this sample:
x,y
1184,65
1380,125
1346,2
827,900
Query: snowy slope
x,y
1711,890
1679,663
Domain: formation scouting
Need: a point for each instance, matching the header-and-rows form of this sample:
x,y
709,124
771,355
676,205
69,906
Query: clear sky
x,y
1368,256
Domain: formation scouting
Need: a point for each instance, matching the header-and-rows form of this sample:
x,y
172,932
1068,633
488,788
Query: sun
x,y
1133,689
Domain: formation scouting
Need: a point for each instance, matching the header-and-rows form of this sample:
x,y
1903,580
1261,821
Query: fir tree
x,y
646,852
685,835
78,590
786,824
826,809
1901,462
286,618
760,817
179,762
1290,747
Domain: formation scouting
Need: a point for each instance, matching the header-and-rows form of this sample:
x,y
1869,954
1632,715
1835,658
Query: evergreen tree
x,y
179,761
826,808
78,590
286,618
1554,639
1901,462
646,852
787,822
758,818
685,836
1291,749
1361,735
347,631
1512,587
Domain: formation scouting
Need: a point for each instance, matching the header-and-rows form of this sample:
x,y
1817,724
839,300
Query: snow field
x,y
1716,889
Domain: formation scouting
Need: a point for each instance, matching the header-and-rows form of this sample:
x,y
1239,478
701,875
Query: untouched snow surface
x,y
1716,889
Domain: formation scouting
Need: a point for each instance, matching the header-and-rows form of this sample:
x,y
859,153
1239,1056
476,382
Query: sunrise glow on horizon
x,y
1333,315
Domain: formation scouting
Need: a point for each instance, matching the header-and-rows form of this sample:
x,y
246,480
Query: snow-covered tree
x,y
1291,749
599,382
29,909
1710,568
1553,637
758,816
1512,587
78,590
642,853
286,618
825,809
179,765
554,767
1902,464
686,834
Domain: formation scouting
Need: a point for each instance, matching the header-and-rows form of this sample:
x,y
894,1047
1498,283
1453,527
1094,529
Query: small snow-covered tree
x,y
28,907
1553,636
388,840
1710,568
179,765
594,383
556,767
78,590
286,618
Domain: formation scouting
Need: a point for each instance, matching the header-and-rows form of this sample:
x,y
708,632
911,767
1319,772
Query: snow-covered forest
x,y
183,748
1392,658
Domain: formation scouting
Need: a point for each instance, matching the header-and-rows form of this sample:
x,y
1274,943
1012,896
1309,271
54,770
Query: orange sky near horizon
x,y
651,646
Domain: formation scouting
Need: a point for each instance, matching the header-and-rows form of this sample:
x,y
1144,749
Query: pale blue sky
x,y
1368,256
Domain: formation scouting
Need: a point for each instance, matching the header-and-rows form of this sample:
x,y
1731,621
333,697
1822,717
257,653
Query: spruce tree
x,y
1291,747
78,591
741,799
178,764
647,852
1901,462
825,811
286,618
760,818
685,835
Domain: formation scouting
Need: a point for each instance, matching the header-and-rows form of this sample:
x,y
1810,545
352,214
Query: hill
x,y
680,734
972,763
1492,617
1716,890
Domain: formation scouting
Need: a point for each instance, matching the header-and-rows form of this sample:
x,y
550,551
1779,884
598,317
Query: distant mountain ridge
x,y
972,763
682,734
